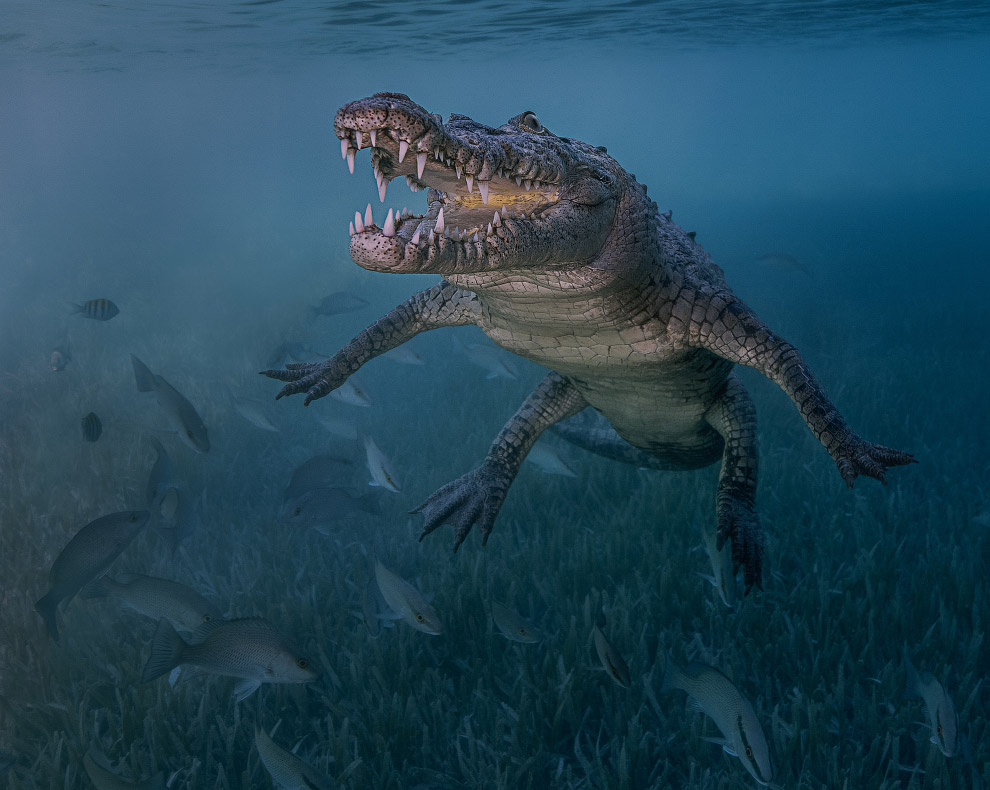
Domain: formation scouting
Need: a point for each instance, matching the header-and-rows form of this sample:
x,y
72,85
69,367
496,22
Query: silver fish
x,y
491,358
104,779
254,412
97,309
406,601
60,357
514,626
613,663
179,411
250,649
156,598
92,427
338,303
714,694
87,556
722,578
351,392
938,705
549,460
287,771
323,508
380,467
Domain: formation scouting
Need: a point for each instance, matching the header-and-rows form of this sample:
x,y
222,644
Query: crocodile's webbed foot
x,y
473,498
856,456
739,523
316,379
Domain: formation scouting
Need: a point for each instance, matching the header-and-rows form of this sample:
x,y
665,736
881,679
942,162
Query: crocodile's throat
x,y
480,193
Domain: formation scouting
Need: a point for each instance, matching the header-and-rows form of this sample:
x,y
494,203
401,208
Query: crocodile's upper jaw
x,y
482,182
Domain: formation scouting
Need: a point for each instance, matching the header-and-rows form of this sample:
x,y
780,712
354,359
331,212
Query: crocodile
x,y
557,253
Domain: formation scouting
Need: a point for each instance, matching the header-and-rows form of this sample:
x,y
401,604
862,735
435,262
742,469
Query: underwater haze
x,y
174,216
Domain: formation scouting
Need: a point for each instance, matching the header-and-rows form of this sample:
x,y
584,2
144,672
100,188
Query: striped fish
x,y
714,694
92,428
287,771
97,309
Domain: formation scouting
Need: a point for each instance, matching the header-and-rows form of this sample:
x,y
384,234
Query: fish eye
x,y
133,517
207,618
939,729
297,511
749,752
420,618
531,122
302,663
522,631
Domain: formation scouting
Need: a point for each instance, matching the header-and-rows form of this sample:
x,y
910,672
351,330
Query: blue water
x,y
179,159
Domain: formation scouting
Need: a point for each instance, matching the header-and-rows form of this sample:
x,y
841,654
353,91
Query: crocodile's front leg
x,y
441,305
734,417
475,498
724,325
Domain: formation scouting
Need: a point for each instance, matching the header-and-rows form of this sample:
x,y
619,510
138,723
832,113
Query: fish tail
x,y
98,588
166,652
46,607
75,307
143,377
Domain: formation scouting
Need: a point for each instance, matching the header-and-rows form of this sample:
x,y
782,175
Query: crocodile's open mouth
x,y
478,190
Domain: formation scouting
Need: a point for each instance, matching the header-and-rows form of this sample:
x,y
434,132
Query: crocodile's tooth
x,y
373,134
497,220
488,230
518,181
403,147
457,231
405,212
483,189
446,233
504,211
475,236
382,186
470,183
420,163
431,239
440,226
457,169
358,138
527,185
389,228
358,224
350,160
415,239
368,219
344,145
350,227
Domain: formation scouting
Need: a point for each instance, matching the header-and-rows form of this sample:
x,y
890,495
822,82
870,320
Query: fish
x,y
713,694
491,358
406,601
179,411
613,663
372,612
722,579
549,460
323,508
97,309
159,479
156,598
352,393
87,555
320,471
287,771
404,356
60,357
938,705
380,467
336,426
337,303
104,779
92,428
254,413
250,648
514,626
785,262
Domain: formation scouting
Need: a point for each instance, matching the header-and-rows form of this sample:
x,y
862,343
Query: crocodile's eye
x,y
531,122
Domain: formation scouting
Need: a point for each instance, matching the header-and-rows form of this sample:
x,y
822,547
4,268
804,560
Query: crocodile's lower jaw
x,y
466,216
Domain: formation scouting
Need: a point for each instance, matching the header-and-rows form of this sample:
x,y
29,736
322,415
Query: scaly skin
x,y
559,256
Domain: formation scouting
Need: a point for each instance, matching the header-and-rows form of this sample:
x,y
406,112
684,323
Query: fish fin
x,y
707,578
46,607
694,706
143,377
374,483
74,308
245,689
98,588
672,675
492,376
166,652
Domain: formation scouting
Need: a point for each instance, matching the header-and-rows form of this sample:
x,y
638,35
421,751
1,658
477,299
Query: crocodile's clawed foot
x,y
858,457
739,523
316,379
474,498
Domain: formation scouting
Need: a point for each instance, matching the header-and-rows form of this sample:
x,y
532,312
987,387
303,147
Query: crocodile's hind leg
x,y
734,417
